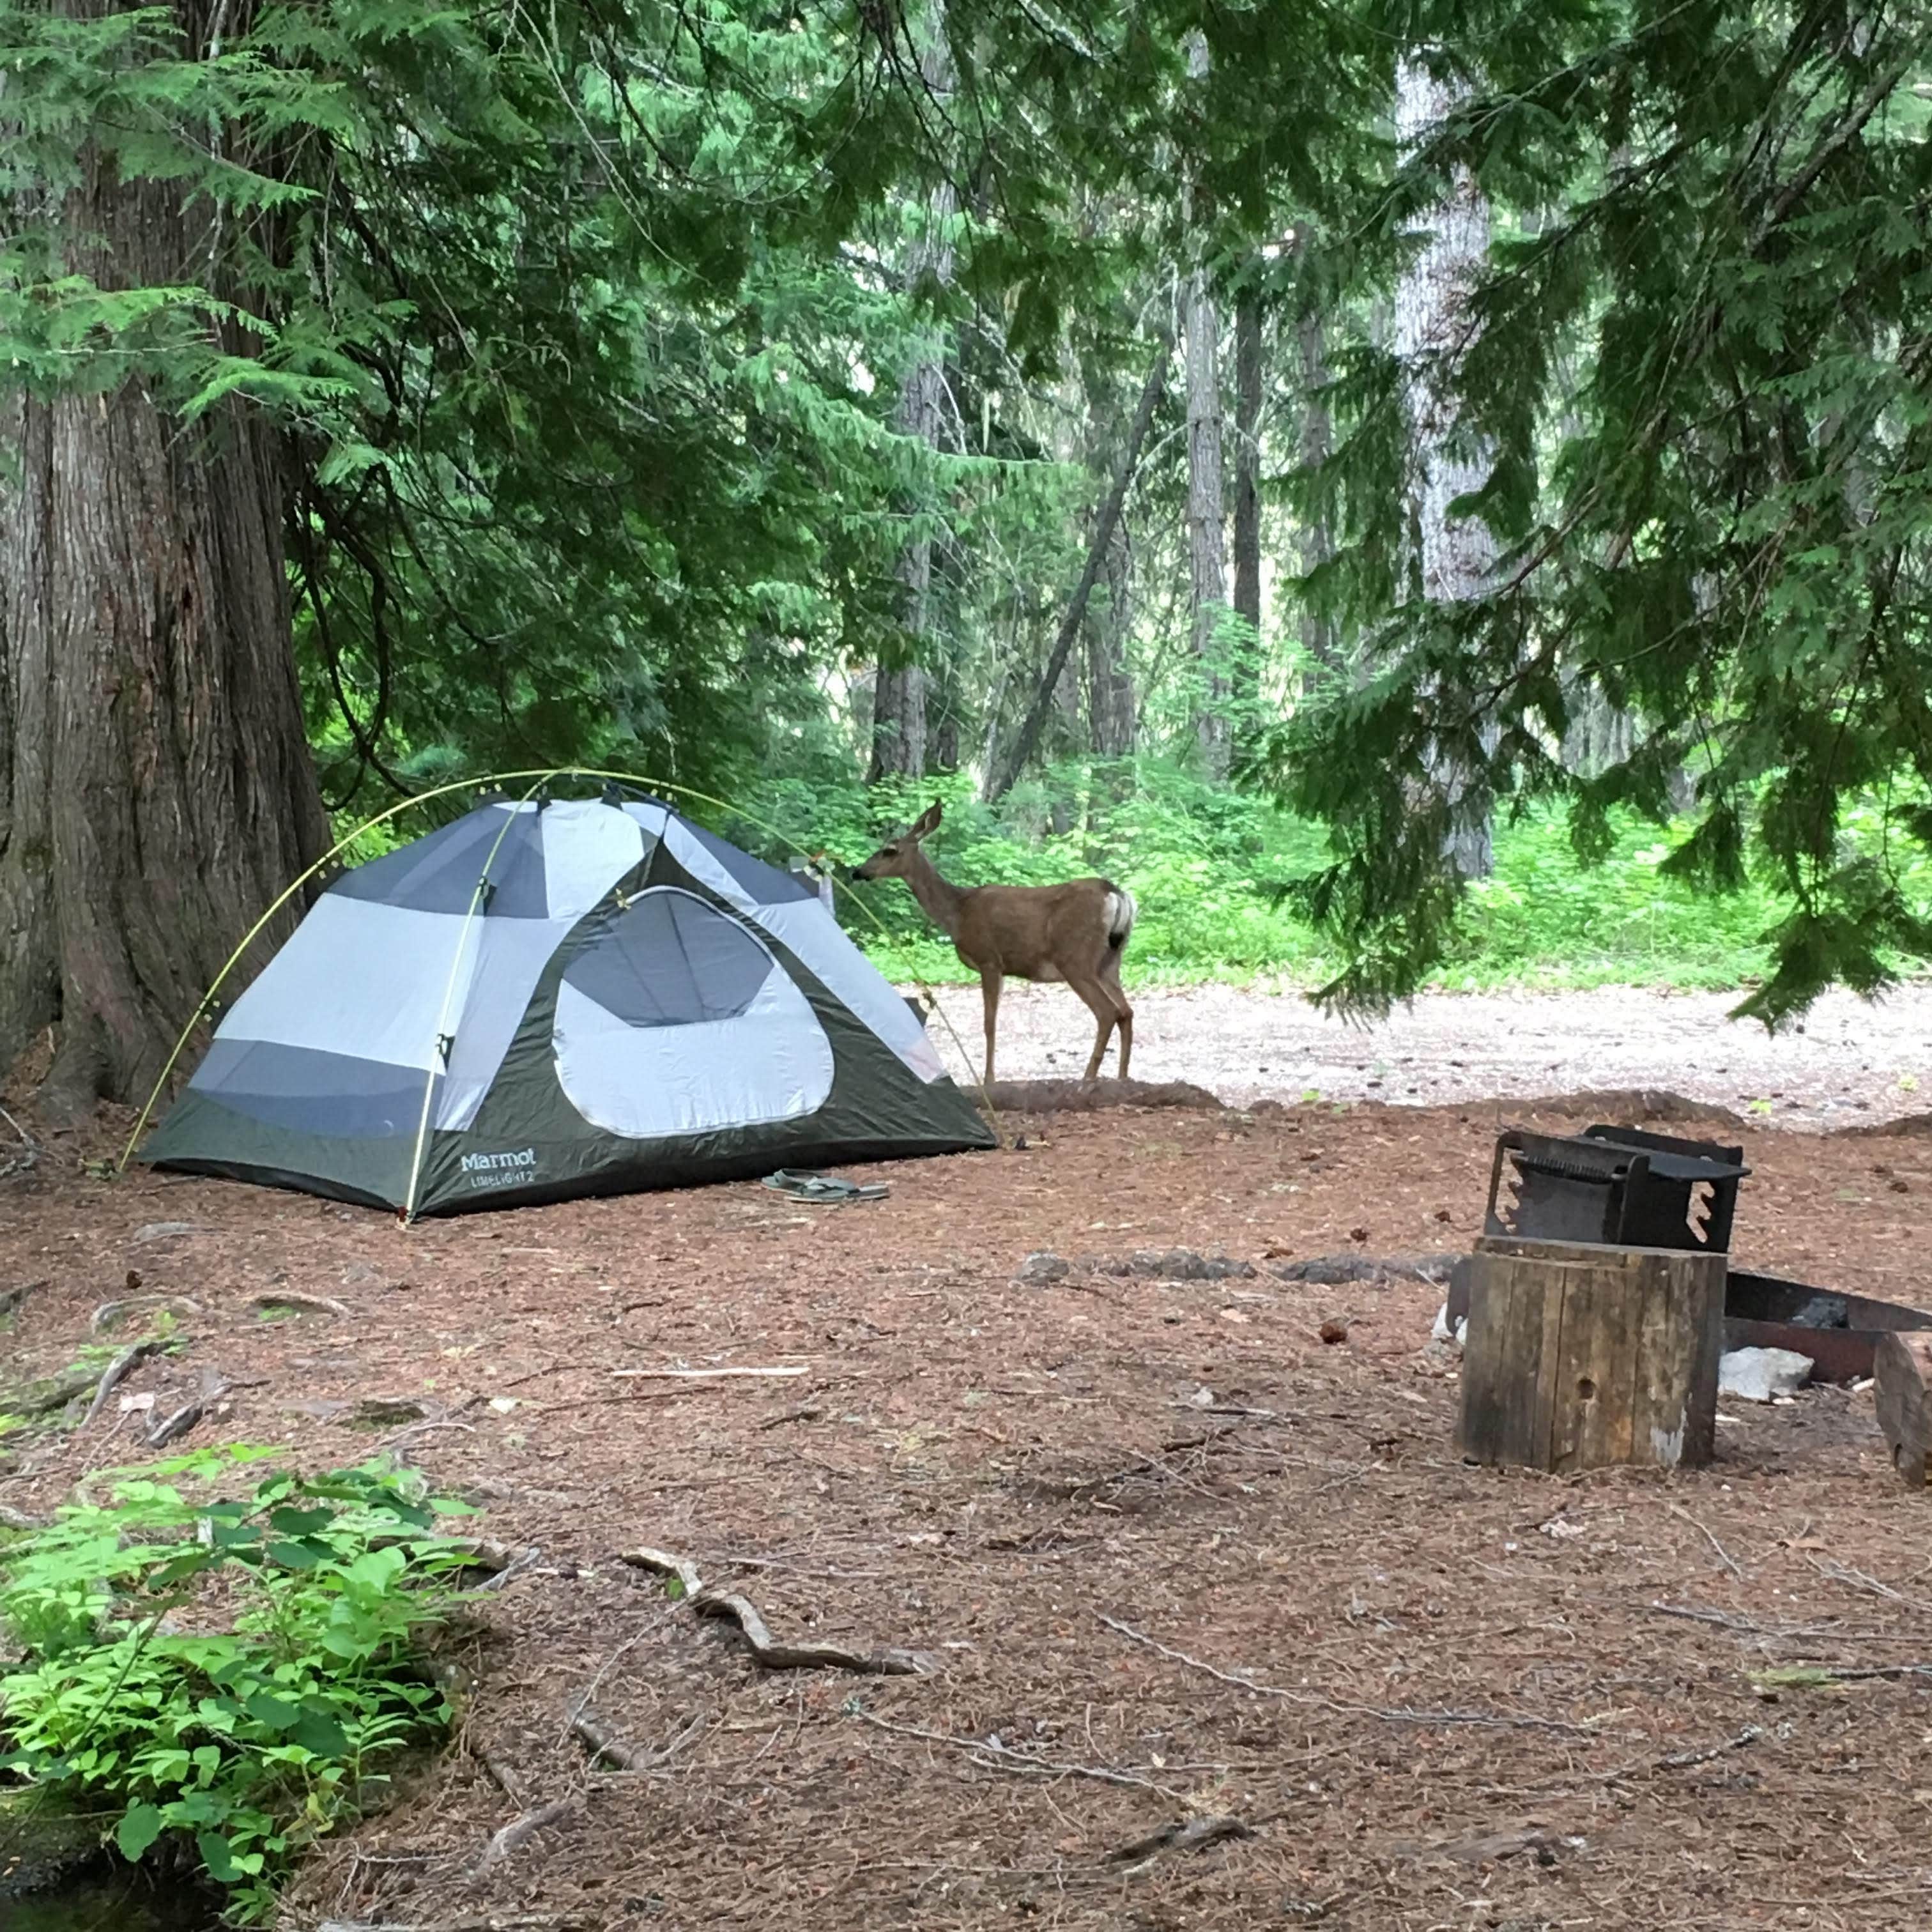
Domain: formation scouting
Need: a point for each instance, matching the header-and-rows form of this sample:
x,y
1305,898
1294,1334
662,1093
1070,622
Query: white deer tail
x,y
1120,911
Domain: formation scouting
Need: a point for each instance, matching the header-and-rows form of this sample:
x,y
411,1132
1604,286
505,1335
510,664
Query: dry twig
x,y
1500,1721
515,1922
805,1412
1730,1561
1191,1835
1683,1760
990,1754
706,1375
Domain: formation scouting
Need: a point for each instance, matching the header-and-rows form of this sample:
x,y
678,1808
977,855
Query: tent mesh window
x,y
670,960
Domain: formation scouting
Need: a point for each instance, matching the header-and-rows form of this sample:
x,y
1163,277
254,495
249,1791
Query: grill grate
x,y
1617,1185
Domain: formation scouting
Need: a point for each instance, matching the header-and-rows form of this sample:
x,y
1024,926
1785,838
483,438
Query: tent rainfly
x,y
624,1001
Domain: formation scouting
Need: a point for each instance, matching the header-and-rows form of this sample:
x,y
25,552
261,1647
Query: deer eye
x,y
891,851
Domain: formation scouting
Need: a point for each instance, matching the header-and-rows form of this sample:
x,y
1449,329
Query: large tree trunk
x,y
1206,536
899,690
1245,672
1434,323
1206,542
156,791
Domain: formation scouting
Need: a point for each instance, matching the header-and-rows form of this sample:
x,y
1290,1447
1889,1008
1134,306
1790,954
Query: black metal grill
x,y
1618,1186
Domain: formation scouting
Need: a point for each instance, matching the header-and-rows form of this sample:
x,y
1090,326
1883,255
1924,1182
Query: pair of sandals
x,y
824,1189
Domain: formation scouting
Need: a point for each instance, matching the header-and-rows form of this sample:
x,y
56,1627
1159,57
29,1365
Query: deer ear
x,y
928,820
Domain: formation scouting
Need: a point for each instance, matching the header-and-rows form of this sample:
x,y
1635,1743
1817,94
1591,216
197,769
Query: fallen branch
x,y
13,1519
705,1375
520,1831
990,1754
299,1304
116,1373
1500,1721
770,1655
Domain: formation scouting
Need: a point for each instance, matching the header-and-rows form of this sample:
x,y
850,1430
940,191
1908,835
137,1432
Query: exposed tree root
x,y
520,1831
769,1654
116,1373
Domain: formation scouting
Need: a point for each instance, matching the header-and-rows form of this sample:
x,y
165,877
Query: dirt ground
x,y
1175,1559
1854,1061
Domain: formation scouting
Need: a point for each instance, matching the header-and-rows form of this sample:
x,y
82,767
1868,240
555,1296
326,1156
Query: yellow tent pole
x,y
503,778
281,899
478,898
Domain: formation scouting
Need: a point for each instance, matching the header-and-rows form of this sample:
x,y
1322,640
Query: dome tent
x,y
624,1001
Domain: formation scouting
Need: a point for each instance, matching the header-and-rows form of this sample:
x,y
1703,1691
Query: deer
x,y
1074,933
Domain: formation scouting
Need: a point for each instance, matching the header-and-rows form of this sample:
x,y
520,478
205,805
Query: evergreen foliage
x,y
1703,359
583,329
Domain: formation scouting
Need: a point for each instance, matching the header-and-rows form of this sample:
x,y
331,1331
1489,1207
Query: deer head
x,y
895,858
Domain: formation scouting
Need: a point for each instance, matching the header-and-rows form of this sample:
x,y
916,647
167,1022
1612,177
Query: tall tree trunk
x,y
1317,541
1206,536
899,690
1112,722
156,790
1434,321
1000,777
1245,672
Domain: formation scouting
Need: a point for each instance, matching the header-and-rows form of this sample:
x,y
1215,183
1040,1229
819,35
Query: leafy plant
x,y
235,1673
1201,860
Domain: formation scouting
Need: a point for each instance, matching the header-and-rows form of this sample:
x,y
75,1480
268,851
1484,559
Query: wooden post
x,y
1579,1357
1902,1368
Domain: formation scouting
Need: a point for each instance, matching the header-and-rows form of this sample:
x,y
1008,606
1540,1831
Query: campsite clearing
x,y
1221,1632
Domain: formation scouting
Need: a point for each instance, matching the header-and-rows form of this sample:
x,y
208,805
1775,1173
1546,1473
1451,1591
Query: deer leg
x,y
990,983
1100,1003
1124,1014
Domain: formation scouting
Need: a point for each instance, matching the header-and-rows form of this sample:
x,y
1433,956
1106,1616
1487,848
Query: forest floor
x,y
1849,1061
1173,1559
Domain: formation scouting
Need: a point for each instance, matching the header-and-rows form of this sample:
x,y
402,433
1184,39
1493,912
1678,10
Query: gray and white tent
x,y
627,1002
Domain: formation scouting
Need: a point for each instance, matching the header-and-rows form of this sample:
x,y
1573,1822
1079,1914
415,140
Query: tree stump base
x,y
1903,1370
1581,1357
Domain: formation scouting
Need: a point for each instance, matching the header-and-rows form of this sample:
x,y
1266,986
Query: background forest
x,y
1418,493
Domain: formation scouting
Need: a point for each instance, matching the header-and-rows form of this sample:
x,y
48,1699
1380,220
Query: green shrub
x,y
233,1674
1201,860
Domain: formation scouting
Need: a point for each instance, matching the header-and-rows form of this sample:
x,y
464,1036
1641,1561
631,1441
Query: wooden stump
x,y
1903,1367
1580,1357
